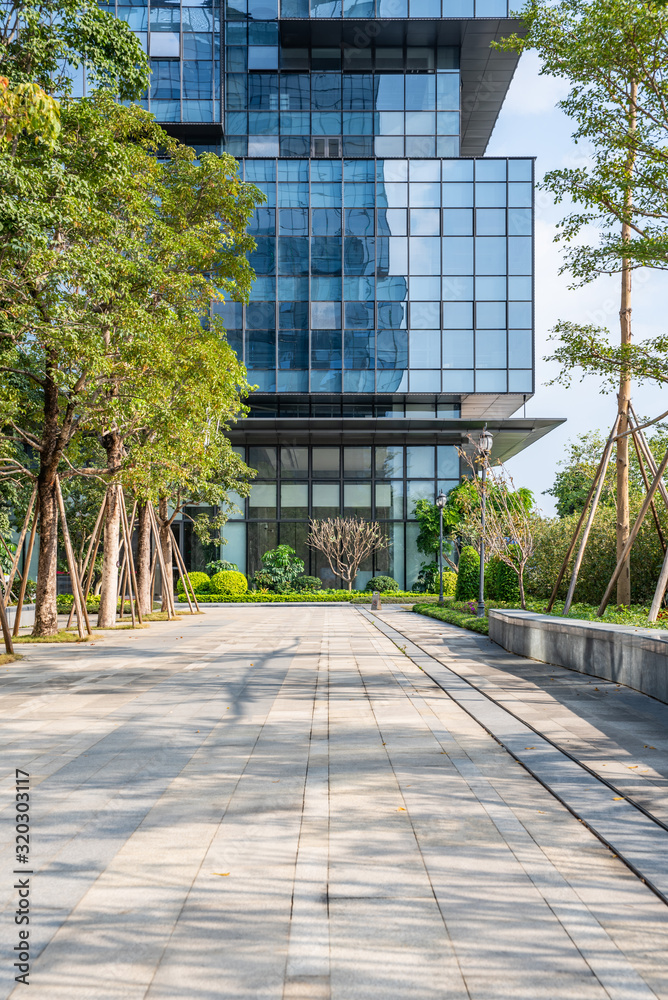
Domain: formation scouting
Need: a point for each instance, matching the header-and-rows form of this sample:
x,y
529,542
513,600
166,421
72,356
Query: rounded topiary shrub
x,y
385,584
507,587
468,575
229,582
199,582
308,584
449,584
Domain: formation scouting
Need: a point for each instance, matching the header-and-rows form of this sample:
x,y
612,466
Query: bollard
x,y
375,601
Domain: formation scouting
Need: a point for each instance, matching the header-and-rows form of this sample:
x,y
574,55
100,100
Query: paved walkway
x,y
276,803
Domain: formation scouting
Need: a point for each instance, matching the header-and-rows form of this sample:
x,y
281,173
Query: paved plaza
x,y
273,803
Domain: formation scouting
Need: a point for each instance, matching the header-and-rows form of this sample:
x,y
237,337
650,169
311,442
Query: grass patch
x,y
316,597
462,613
60,636
6,658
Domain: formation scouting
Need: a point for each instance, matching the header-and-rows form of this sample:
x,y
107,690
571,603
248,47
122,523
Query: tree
x,y
427,515
613,53
346,542
576,472
280,568
106,325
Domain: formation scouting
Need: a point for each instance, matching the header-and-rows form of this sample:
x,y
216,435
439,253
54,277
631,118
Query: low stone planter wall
x,y
635,657
27,615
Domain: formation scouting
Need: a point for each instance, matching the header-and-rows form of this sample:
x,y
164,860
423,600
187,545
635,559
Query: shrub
x,y
468,576
219,566
449,584
64,603
199,582
228,581
280,568
307,584
385,584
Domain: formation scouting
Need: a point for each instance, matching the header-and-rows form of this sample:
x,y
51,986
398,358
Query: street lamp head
x,y
485,442
441,500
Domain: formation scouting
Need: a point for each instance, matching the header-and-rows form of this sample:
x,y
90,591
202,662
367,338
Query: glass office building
x,y
392,315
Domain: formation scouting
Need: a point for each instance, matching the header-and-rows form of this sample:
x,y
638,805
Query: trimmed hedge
x,y
468,576
448,614
384,584
230,582
64,603
351,597
199,581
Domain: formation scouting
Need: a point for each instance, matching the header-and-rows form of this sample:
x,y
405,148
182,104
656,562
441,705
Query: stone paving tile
x,y
338,829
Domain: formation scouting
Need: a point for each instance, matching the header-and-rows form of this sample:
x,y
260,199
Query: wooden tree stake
x,y
633,534
17,554
24,579
132,575
82,613
184,573
91,555
590,520
166,587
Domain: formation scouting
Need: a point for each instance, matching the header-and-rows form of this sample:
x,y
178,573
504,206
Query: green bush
x,y
229,582
468,576
199,582
64,603
307,584
449,584
501,583
385,584
219,566
280,568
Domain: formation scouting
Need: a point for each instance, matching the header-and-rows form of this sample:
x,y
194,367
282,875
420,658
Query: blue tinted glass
x,y
262,88
326,123
458,170
292,195
420,461
326,222
293,222
420,93
519,288
235,95
457,195
359,195
425,350
490,349
263,222
263,10
263,122
359,170
236,123
293,350
519,314
264,289
447,123
295,91
295,123
490,221
260,316
359,315
260,170
325,195
458,222
263,259
325,255
197,45
520,348
490,255
457,288
519,222
447,92
519,170
261,349
236,33
293,316
389,92
326,91
490,287
392,349
325,170
490,170
519,255
393,315
490,195
457,255
293,255
357,123
358,92
359,288
359,255
358,349
425,256
458,349
325,289
269,191
458,315
263,57
425,316
292,170
292,381
490,315
165,79
520,195
263,33
231,314
425,195
326,349
326,315
235,59
359,222
293,288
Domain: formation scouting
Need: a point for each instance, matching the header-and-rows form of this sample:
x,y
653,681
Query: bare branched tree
x,y
346,542
508,518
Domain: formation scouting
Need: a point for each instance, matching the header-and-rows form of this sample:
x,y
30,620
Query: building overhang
x,y
485,72
510,435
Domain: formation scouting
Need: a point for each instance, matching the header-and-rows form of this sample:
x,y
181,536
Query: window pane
x,y
419,461
262,500
389,461
325,463
357,463
294,500
357,500
325,499
294,463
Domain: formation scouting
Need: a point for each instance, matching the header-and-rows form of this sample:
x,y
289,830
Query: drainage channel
x,y
631,832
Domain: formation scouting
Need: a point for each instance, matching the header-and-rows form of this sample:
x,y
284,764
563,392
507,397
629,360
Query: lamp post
x,y
484,448
441,500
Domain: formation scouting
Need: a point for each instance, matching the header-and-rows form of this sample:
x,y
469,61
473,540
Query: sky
x,y
530,124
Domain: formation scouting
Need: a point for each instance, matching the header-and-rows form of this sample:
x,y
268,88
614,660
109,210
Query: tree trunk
x,y
46,612
109,585
624,395
166,546
520,577
144,595
113,445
